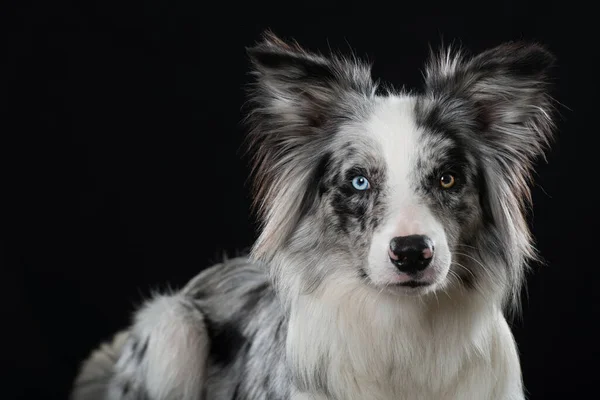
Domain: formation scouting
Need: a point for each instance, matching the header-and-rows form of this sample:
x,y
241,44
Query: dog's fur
x,y
318,310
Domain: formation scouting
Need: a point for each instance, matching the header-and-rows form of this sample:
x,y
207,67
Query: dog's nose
x,y
411,254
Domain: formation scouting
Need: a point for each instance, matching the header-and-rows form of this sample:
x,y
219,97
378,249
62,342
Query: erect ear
x,y
296,98
501,95
507,87
300,90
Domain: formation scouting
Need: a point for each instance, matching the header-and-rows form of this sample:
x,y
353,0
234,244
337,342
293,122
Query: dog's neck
x,y
357,302
370,335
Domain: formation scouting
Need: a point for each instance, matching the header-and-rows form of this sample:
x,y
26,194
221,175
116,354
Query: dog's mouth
x,y
413,284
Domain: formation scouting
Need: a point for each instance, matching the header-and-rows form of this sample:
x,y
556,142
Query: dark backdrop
x,y
123,171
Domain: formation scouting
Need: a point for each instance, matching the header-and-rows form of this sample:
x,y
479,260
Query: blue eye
x,y
360,183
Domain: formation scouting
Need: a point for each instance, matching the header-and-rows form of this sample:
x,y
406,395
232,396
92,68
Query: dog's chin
x,y
412,288
422,284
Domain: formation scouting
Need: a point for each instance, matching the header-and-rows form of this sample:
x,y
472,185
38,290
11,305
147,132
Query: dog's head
x,y
409,193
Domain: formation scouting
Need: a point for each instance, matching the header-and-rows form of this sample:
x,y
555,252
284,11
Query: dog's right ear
x,y
298,88
294,99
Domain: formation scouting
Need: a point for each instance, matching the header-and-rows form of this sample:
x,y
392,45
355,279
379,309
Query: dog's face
x,y
398,196
408,193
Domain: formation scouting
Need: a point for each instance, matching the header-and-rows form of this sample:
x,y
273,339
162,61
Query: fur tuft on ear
x,y
501,96
295,99
508,86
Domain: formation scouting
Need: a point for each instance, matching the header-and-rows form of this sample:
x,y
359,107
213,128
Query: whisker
x,y
463,267
455,280
436,297
487,270
468,246
477,285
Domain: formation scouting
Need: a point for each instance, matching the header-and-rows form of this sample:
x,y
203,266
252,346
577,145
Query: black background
x,y
124,172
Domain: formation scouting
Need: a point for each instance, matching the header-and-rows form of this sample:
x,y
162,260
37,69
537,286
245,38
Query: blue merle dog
x,y
394,241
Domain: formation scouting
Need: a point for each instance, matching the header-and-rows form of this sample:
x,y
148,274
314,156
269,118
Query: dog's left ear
x,y
507,89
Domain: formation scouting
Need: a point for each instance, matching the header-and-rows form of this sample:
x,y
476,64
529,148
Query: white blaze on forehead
x,y
392,125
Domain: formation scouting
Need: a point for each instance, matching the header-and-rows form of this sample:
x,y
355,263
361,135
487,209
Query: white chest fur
x,y
365,346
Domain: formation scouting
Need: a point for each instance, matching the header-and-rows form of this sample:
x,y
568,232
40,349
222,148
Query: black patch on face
x,y
455,158
315,187
226,340
428,118
349,204
320,172
349,207
452,161
355,212
432,117
453,117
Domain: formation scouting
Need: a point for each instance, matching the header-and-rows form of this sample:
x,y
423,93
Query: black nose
x,y
411,254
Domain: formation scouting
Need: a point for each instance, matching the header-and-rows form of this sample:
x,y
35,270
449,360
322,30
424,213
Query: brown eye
x,y
447,181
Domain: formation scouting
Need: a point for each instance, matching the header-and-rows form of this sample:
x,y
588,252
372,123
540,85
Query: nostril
x,y
427,253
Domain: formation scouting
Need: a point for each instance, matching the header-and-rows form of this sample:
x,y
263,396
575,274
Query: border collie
x,y
394,241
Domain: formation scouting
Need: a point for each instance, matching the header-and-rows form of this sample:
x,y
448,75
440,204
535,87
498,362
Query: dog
x,y
394,241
